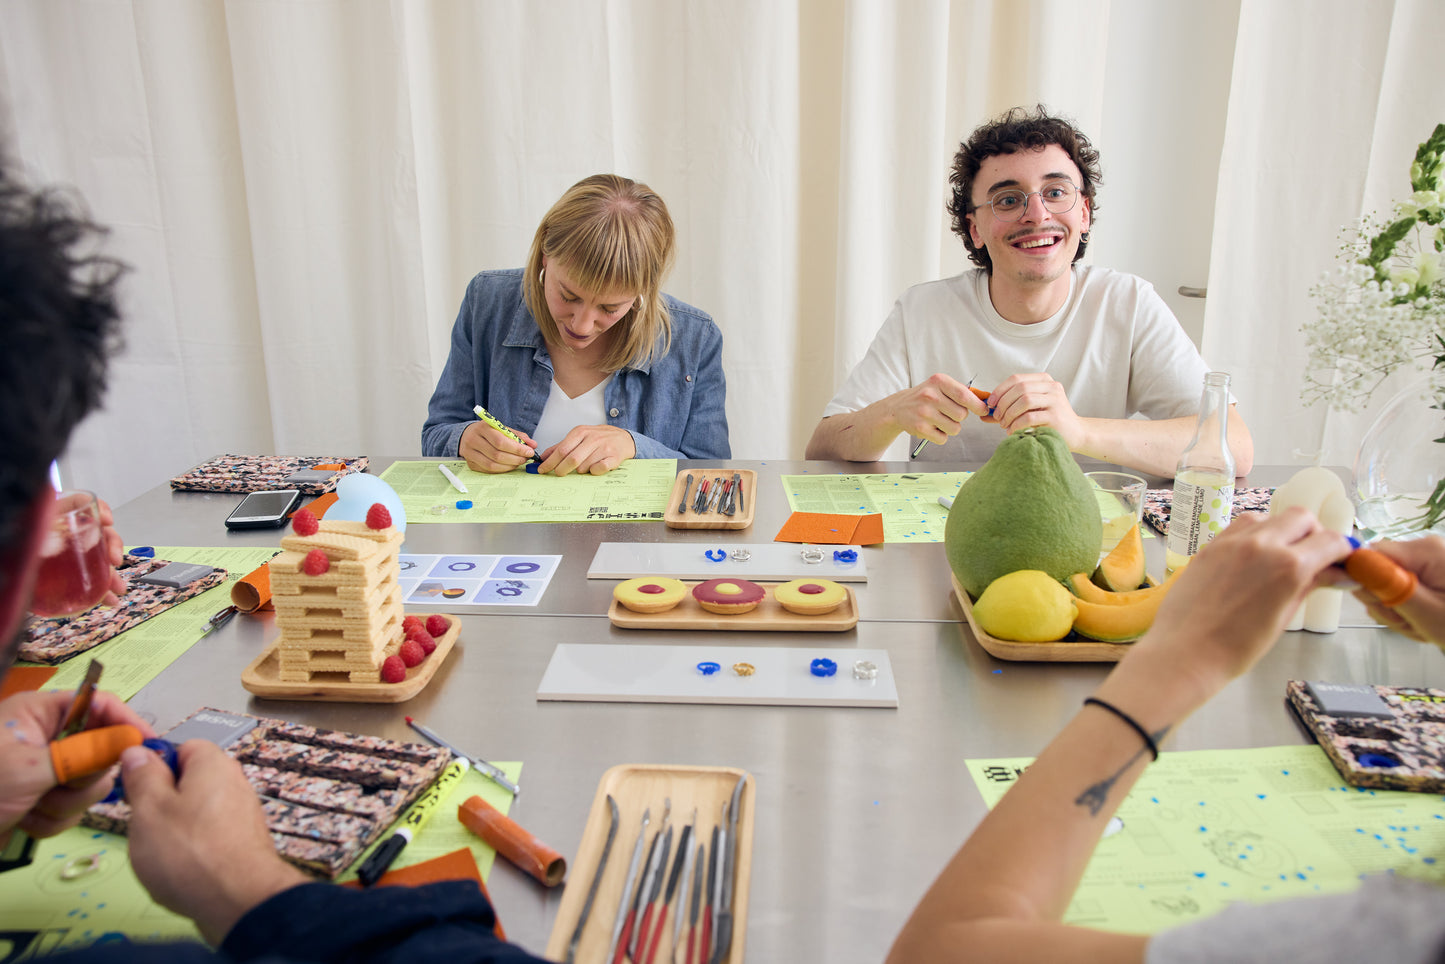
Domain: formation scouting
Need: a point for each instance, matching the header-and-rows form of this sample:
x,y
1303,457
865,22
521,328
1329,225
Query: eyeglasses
x,y
1058,197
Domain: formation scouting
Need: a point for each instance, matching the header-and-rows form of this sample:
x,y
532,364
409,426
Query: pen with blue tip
x,y
488,770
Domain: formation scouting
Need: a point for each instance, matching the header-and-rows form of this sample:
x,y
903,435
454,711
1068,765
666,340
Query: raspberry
x,y
316,563
437,624
411,653
377,517
408,622
303,522
427,644
417,633
393,670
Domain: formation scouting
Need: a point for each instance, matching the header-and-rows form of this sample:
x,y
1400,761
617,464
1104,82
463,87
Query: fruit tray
x,y
1064,651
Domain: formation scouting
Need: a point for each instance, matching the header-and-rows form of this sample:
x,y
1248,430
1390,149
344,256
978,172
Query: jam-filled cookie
x,y
810,597
728,596
649,594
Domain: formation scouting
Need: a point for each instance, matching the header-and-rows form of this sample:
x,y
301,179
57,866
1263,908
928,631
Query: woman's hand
x,y
594,449
488,450
1422,616
30,799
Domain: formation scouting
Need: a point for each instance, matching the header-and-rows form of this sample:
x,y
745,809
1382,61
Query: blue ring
x,y
845,555
716,558
464,503
707,668
822,667
144,552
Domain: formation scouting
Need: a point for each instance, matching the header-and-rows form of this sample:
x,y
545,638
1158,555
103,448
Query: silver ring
x,y
741,555
865,669
80,866
812,555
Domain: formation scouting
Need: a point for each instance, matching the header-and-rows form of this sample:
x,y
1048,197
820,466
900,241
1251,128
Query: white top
x,y
1388,918
563,413
1114,345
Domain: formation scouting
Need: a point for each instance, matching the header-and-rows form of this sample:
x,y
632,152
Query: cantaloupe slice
x,y
1120,622
1081,586
1123,568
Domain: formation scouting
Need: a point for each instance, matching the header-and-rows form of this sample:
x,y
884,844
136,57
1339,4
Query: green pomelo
x,y
1029,507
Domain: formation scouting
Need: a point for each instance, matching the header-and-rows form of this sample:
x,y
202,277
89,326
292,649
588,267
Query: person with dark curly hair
x,y
198,840
1038,338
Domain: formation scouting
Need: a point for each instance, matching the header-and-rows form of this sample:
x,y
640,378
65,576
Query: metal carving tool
x,y
650,917
682,506
724,929
704,947
685,858
644,889
684,850
596,879
627,884
79,711
969,385
741,507
695,905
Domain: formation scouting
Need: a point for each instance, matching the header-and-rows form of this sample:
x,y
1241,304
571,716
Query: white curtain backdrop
x,y
304,186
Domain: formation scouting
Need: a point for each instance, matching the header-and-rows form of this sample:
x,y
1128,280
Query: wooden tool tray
x,y
635,788
770,616
262,677
1064,651
711,520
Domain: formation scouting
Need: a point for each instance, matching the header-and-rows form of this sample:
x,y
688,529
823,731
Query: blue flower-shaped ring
x,y
822,667
845,555
708,668
716,555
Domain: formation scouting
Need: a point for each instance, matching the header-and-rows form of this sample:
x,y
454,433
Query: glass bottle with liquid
x,y
1204,480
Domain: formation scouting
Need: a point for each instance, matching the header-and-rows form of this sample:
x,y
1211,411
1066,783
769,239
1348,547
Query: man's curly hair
x,y
1018,130
58,325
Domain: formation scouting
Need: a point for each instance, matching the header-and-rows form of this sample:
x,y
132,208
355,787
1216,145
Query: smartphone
x,y
264,510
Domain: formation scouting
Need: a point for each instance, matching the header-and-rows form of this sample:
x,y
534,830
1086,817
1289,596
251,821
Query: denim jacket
x,y
673,409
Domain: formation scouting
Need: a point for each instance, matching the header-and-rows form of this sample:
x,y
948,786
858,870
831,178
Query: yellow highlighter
x,y
381,858
491,420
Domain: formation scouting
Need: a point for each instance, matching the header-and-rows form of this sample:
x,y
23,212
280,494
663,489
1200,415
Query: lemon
x,y
1028,606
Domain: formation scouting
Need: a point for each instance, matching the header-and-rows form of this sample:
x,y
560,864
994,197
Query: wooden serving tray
x,y
636,788
262,677
711,520
770,616
1065,651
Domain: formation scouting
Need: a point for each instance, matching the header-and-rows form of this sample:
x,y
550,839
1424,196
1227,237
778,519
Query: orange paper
x,y
321,503
22,679
457,865
821,528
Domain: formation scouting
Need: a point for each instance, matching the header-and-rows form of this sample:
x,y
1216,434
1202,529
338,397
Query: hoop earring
x,y
1084,237
641,303
540,273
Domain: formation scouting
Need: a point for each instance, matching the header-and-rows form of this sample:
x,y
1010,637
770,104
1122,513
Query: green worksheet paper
x,y
1206,828
138,655
637,490
908,502
54,909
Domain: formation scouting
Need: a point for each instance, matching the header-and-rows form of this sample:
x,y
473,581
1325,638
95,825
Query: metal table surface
x,y
857,809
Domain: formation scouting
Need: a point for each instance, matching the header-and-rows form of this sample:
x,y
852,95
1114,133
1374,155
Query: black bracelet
x,y
1143,733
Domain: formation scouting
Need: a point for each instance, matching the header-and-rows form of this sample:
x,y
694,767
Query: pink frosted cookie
x,y
728,597
810,597
649,594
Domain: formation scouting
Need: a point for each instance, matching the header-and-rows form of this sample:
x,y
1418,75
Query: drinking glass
x,y
75,568
1121,504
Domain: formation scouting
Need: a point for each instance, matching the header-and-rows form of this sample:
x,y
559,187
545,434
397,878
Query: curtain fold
x,y
304,189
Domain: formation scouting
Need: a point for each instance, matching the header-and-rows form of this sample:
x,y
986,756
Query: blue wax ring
x,y
708,668
845,555
167,751
716,555
144,552
464,503
532,467
822,667
1377,760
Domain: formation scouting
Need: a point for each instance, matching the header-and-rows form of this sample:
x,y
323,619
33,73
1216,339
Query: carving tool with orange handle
x,y
981,393
627,884
1383,577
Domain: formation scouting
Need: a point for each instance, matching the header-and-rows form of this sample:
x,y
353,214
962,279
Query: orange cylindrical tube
x,y
1385,578
508,838
253,590
91,751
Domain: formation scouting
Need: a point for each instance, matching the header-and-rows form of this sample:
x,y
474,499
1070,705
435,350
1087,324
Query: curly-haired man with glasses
x,y
1044,340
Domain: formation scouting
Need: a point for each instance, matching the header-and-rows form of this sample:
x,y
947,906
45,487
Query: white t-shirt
x,y
1388,918
1114,345
562,414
